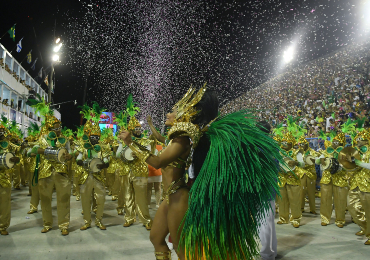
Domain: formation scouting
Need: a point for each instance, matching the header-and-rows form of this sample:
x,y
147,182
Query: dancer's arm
x,y
156,134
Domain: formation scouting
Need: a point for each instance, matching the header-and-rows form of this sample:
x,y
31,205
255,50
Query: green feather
x,y
97,111
238,179
121,119
130,107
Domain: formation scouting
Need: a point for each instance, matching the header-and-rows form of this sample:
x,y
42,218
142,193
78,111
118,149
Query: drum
x,y
5,162
56,155
308,160
331,165
91,164
127,154
286,167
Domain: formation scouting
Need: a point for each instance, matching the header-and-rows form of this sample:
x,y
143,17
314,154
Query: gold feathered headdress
x,y
186,106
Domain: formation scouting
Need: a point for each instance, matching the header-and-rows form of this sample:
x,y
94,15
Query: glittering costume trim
x,y
172,189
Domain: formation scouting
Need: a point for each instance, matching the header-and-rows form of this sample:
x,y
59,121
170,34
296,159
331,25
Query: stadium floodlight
x,y
55,57
57,48
288,54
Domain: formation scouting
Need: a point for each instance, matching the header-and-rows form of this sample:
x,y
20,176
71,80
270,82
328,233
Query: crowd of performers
x,y
345,182
235,169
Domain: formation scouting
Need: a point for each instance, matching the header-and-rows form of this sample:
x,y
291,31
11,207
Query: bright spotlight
x,y
57,48
55,57
288,55
57,40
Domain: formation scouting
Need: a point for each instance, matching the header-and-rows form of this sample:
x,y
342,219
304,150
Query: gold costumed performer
x,y
33,136
90,149
228,149
123,169
289,183
359,184
307,174
52,152
110,173
135,183
334,180
5,176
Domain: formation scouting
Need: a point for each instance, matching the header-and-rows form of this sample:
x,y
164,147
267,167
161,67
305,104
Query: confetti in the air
x,y
157,49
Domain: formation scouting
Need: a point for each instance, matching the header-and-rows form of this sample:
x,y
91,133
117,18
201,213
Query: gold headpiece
x,y
289,138
365,134
302,139
341,137
50,120
133,123
186,106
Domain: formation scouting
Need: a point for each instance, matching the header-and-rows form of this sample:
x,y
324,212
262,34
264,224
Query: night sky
x,y
157,49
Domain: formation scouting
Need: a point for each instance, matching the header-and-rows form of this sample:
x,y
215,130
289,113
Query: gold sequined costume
x,y
359,189
5,186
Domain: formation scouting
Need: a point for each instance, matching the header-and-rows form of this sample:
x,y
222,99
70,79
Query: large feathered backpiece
x,y
234,187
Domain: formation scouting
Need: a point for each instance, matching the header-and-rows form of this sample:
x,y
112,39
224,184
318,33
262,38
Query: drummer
x,y
136,182
290,185
334,183
5,184
91,180
307,173
53,172
359,185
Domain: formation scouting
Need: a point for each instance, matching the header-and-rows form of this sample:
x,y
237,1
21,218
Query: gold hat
x,y
365,134
341,137
50,120
302,139
277,138
186,106
133,123
289,138
92,128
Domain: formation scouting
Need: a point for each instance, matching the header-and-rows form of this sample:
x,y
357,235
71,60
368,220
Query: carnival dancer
x,y
52,172
229,149
91,181
6,146
290,184
18,170
30,165
121,184
135,183
77,169
307,174
334,181
359,185
110,173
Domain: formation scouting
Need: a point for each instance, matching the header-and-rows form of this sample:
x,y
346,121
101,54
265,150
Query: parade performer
x,y
33,136
6,146
290,184
51,171
92,182
359,185
236,173
123,170
334,181
77,169
110,173
307,173
18,170
135,183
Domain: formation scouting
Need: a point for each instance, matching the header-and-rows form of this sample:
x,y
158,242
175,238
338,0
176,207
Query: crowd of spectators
x,y
324,93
